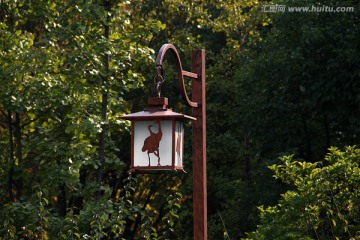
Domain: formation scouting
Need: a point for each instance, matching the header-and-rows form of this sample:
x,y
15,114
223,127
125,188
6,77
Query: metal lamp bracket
x,y
180,72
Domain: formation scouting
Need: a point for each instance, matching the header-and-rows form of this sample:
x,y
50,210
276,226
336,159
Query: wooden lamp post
x,y
157,132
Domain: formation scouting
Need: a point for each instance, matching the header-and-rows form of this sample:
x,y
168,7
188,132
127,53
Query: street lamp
x,y
157,132
157,137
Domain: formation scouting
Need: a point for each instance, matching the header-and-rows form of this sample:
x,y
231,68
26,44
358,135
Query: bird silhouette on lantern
x,y
151,143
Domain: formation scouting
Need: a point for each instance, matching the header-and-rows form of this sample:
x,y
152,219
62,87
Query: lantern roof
x,y
157,109
150,114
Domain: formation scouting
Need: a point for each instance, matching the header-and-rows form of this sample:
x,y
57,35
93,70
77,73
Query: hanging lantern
x,y
157,138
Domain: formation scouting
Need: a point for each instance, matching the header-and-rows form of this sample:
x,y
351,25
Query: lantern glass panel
x,y
153,143
179,143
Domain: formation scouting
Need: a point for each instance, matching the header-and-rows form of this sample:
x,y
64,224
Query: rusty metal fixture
x,y
157,137
198,104
180,72
155,117
158,81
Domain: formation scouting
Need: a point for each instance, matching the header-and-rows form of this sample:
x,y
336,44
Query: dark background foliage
x,y
278,84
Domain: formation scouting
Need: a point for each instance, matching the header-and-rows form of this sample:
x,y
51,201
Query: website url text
x,y
317,9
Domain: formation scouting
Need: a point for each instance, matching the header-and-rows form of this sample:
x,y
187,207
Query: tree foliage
x,y
277,84
66,68
324,203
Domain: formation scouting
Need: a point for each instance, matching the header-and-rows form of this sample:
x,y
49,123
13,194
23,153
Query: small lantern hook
x,y
158,80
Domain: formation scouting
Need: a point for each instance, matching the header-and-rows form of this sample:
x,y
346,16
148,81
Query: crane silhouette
x,y
151,143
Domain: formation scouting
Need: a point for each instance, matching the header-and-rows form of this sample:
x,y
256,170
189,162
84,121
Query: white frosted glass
x,y
179,143
142,152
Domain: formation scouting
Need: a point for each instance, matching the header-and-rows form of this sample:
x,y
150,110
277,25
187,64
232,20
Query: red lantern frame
x,y
156,113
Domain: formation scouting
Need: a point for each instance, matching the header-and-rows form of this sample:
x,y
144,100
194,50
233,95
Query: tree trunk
x,y
19,182
247,158
11,157
104,101
78,200
308,147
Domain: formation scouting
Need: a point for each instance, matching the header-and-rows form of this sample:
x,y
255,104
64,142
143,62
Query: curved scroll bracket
x,y
180,72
